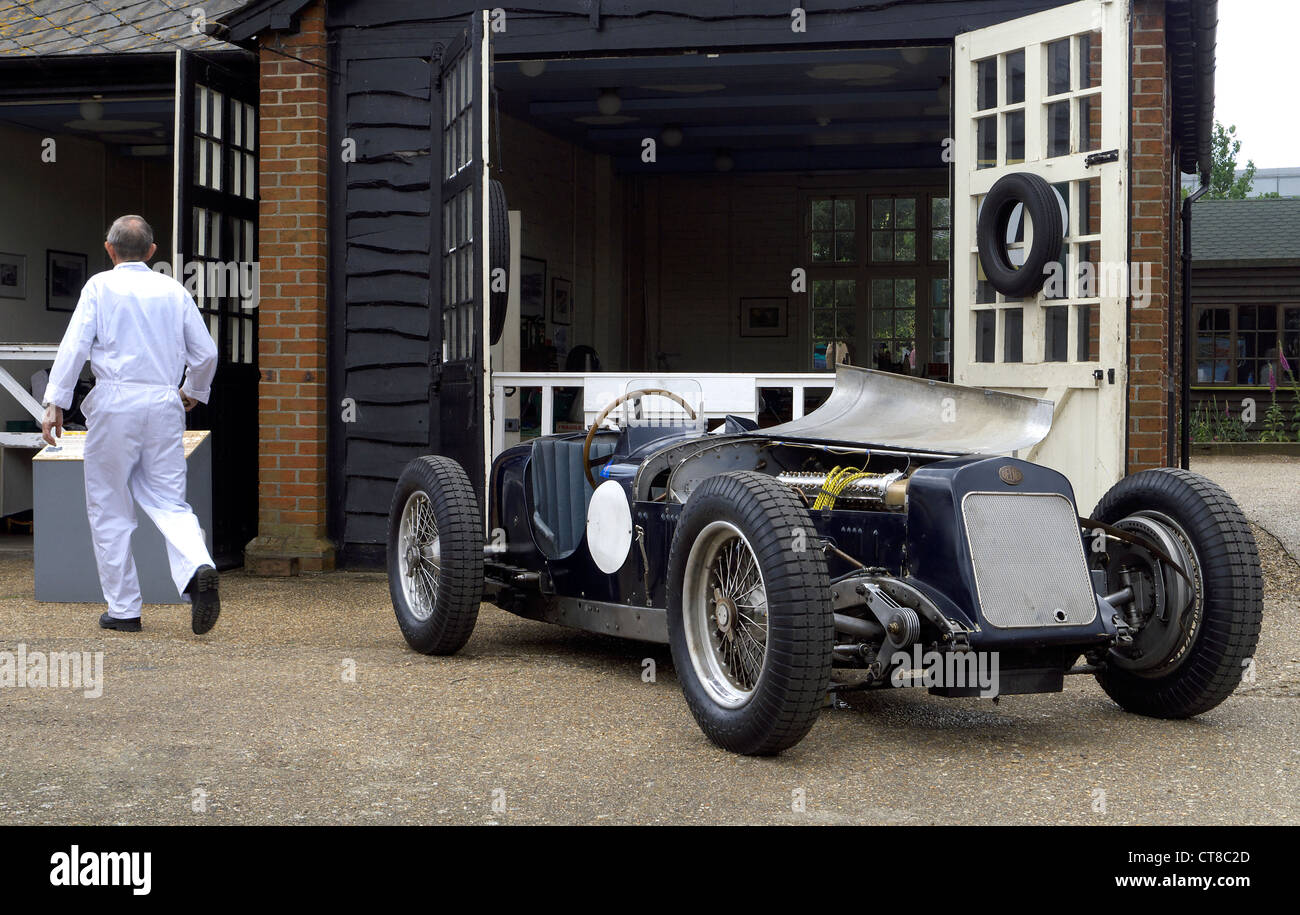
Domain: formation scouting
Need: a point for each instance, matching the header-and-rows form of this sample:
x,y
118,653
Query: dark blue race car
x,y
882,540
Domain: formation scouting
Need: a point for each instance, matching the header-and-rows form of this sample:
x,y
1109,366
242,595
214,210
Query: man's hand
x,y
53,420
189,402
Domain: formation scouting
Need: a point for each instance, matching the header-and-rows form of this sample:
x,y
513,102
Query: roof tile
x,y
1254,229
31,28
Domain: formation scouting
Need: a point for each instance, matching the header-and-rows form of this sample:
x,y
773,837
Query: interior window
x,y
940,229
834,240
878,291
893,229
893,325
834,308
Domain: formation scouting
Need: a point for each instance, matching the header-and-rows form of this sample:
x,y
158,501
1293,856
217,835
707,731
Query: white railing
x,y
25,352
722,393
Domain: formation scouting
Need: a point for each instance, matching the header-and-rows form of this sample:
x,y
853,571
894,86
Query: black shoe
x,y
121,625
205,603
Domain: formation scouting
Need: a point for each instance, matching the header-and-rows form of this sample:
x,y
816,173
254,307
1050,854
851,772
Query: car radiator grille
x,y
1030,569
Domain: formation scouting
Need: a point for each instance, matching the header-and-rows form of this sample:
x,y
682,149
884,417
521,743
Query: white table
x,y
64,554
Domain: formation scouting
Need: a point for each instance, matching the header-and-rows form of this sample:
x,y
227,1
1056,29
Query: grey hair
x,y
130,237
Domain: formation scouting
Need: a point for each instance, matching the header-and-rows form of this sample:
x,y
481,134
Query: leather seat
x,y
561,493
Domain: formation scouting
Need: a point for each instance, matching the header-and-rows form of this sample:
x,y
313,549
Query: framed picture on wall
x,y
65,274
764,318
532,288
561,301
13,276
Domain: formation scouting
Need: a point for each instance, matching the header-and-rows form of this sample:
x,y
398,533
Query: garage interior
x,y
74,162
680,258
88,141
113,155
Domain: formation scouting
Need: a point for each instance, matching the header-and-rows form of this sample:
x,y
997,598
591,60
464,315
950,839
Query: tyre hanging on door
x,y
1039,206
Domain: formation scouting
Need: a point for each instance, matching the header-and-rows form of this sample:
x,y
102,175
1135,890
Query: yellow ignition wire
x,y
839,479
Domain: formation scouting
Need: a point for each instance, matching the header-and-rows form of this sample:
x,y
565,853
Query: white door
x,y
1048,94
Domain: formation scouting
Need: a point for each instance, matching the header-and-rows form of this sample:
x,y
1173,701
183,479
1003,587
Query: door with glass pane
x,y
215,238
462,409
1029,96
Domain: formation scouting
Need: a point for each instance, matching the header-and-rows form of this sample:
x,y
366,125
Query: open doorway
x,y
666,203
73,165
78,157
73,162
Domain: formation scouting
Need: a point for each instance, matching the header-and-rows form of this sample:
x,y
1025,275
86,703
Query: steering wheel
x,y
587,462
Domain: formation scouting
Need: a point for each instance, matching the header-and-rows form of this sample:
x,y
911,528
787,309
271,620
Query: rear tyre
x,y
749,617
435,555
1192,659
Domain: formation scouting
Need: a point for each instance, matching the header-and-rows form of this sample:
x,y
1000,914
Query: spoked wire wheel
x,y
419,563
435,555
725,614
749,614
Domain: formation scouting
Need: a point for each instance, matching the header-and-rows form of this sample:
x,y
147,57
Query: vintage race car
x,y
881,540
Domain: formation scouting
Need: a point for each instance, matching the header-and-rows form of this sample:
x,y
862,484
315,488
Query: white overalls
x,y
140,330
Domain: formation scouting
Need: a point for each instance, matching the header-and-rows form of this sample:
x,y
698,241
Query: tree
x,y
1224,181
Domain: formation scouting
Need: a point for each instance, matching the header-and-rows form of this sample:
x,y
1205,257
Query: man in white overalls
x,y
140,329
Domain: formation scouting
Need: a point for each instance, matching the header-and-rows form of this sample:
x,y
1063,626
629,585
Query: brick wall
x,y
1154,210
292,324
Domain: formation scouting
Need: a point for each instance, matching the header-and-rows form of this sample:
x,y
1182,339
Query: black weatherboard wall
x,y
385,333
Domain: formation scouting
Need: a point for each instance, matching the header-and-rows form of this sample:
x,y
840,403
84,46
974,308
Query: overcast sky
x,y
1258,79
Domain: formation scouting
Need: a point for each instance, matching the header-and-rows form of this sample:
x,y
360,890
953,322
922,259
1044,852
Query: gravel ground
x,y
258,723
1266,486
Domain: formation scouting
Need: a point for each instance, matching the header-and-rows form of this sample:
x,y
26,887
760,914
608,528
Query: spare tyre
x,y
498,259
1043,209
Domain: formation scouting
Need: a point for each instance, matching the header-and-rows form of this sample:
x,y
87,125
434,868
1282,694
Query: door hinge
x,y
1101,158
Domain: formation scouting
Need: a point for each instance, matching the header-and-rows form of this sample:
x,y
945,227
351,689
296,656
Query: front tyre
x,y
1192,640
435,555
749,616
